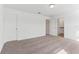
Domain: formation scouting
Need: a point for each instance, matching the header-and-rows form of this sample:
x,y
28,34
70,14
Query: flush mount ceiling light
x,y
51,5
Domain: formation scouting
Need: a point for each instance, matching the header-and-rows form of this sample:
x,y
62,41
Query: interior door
x,y
22,27
10,27
47,27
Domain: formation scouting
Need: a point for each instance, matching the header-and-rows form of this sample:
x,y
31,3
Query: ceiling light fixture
x,y
51,5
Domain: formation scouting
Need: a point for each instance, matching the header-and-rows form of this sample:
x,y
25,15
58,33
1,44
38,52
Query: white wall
x,y
29,25
71,25
1,26
53,26
9,27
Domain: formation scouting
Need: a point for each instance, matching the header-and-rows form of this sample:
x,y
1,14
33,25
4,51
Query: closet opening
x,y
61,26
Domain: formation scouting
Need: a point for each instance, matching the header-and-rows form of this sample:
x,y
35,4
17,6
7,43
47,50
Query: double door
x,y
12,27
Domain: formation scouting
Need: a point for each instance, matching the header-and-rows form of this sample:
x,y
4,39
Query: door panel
x,y
10,27
47,27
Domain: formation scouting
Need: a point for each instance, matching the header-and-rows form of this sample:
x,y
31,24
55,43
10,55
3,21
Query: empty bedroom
x,y
39,28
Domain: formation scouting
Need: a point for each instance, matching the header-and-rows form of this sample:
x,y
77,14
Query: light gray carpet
x,y
41,45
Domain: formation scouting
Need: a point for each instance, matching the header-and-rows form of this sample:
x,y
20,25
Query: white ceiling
x,y
44,8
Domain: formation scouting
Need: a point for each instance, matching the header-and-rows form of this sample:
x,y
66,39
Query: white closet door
x,y
22,27
10,27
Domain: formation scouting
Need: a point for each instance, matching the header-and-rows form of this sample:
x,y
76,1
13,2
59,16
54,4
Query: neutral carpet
x,y
41,45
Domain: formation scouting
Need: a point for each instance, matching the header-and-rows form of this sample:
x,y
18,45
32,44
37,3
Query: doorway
x,y
47,26
61,26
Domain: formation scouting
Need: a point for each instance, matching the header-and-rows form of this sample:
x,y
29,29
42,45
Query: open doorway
x,y
61,26
47,26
